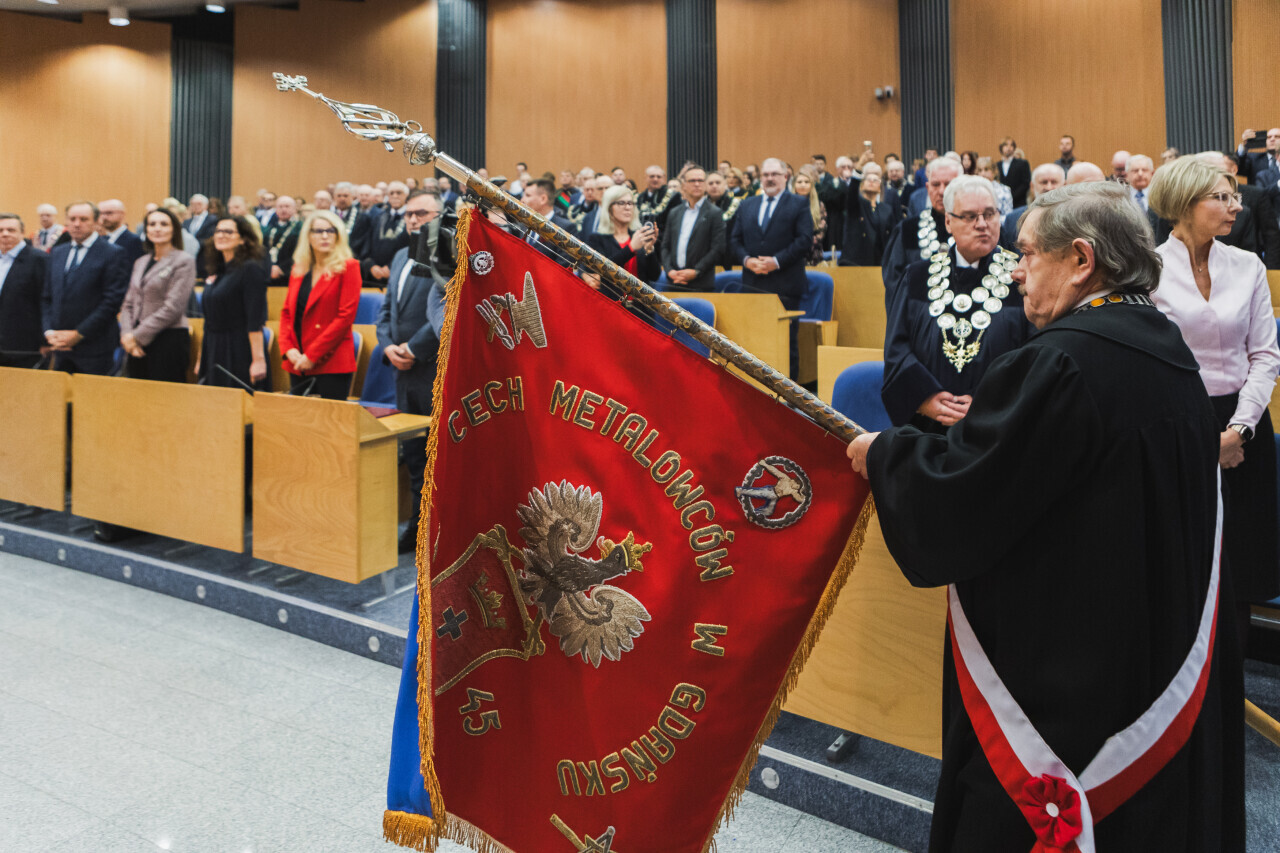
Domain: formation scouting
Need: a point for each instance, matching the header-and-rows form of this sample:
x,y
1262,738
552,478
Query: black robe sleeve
x,y
953,505
907,381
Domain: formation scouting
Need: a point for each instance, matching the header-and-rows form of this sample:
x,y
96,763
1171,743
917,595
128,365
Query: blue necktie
x,y
768,213
1141,201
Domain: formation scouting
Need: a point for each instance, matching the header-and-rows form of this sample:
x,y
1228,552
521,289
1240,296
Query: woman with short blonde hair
x,y
1218,296
319,308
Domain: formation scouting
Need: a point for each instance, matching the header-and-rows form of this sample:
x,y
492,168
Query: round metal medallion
x,y
990,281
1000,291
946,321
980,294
482,263
981,319
963,302
963,328
992,305
935,307
935,293
947,296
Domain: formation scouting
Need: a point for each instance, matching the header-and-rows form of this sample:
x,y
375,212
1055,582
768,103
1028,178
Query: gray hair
x,y
1139,158
964,185
1101,214
200,197
938,162
47,208
344,186
1039,169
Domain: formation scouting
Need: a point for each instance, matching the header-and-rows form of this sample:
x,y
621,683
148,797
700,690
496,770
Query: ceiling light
x,y
216,8
50,2
118,16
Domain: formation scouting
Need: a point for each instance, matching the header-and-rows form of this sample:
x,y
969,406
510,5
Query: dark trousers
x,y
330,386
415,462
74,362
166,358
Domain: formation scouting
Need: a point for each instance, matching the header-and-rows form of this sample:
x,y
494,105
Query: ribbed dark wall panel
x,y
200,141
691,83
1197,74
460,80
928,93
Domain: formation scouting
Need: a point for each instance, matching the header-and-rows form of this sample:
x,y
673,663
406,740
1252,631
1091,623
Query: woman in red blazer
x,y
319,308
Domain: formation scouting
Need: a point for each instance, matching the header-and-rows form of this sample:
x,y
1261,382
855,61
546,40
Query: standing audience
x,y
22,273
235,308
153,324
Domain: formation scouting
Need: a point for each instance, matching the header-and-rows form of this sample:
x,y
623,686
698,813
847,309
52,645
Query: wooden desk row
x,y
170,459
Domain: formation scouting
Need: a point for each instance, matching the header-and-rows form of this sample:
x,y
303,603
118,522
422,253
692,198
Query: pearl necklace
x,y
989,295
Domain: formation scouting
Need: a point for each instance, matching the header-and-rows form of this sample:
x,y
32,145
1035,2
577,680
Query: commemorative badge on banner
x,y
626,555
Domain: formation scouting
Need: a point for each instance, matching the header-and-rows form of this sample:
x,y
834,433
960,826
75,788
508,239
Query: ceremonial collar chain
x,y
1116,299
927,235
988,296
397,229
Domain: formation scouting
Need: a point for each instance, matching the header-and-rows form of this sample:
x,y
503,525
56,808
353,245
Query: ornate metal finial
x,y
370,122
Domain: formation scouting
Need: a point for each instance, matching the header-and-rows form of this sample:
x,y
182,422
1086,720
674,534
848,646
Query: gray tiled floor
x,y
136,722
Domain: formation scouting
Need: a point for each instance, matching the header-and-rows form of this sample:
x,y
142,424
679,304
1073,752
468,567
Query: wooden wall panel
x,y
1255,29
576,83
1035,70
381,52
84,112
797,77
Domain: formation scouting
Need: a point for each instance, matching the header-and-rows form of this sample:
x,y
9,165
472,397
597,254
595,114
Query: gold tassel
x,y
826,604
426,717
415,831
470,835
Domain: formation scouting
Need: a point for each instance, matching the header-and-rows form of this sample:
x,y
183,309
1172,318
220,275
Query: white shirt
x,y
193,226
1233,333
764,204
1005,164
6,262
115,235
71,256
686,229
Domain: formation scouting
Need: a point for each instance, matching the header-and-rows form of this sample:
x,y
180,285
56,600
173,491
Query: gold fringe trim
x,y
426,716
415,831
472,836
826,604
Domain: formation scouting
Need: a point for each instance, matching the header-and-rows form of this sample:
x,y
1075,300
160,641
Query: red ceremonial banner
x,y
627,554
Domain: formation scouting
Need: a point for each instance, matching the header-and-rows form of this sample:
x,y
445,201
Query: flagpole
x,y
377,124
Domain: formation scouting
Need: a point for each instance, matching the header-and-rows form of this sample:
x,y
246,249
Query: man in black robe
x,y
952,315
1074,511
920,236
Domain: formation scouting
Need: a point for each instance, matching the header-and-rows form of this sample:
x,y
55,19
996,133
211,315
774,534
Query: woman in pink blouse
x,y
1218,296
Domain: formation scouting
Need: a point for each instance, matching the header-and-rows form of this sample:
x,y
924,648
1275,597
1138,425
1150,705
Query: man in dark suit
x,y
113,224
22,272
381,233
1253,163
695,237
539,197
201,223
1014,172
84,285
409,343
280,240
772,234
655,201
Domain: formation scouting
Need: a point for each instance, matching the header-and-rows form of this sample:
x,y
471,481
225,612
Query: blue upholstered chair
x,y
857,395
818,295
729,282
700,308
367,310
379,382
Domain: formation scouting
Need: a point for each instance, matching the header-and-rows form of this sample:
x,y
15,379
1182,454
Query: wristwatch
x,y
1245,432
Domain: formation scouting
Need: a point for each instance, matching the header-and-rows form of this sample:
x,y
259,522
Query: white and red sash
x,y
1060,807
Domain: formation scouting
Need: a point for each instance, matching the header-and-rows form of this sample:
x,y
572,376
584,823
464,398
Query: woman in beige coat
x,y
153,321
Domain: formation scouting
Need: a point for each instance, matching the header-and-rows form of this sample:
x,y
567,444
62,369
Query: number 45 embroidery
x,y
488,719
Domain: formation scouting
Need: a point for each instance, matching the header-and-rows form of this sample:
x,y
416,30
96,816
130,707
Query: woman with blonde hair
x,y
805,185
319,308
1218,297
621,238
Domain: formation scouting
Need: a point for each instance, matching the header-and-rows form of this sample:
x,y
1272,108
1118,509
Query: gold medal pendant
x,y
961,353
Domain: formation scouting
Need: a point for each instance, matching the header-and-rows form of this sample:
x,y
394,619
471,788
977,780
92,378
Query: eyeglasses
x,y
420,214
1226,198
624,204
324,232
226,232
969,218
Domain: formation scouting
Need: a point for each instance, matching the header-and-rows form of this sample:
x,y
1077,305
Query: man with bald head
x,y
654,202
112,224
1084,172
772,235
281,239
1118,161
1047,177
